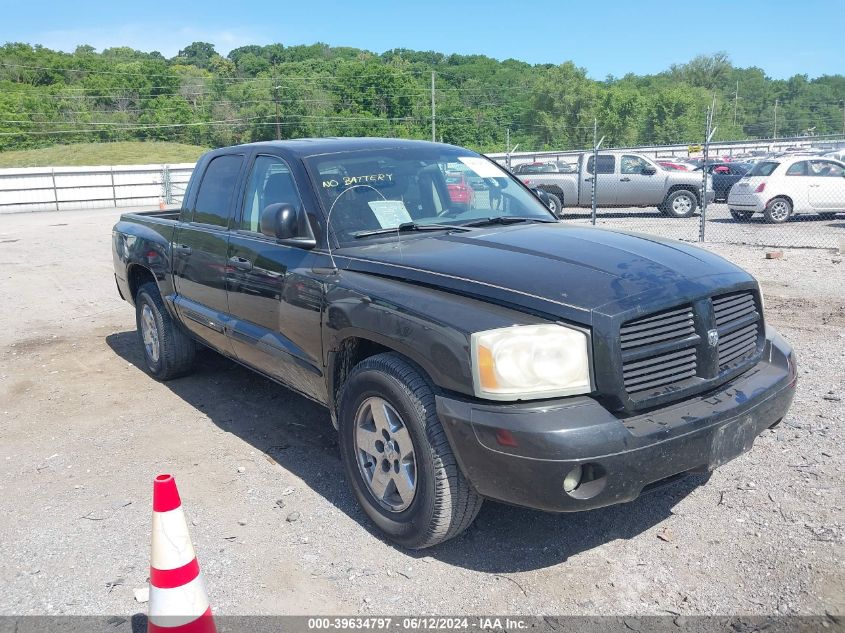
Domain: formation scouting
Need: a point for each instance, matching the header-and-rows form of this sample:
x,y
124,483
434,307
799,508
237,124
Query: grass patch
x,y
95,154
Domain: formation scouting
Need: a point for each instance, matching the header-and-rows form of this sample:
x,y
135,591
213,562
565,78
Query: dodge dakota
x,y
463,351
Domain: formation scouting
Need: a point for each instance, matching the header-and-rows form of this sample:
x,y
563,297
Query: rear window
x,y
607,164
763,168
215,193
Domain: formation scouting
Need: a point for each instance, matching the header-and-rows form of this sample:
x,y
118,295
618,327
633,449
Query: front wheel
x,y
680,204
397,459
741,216
778,211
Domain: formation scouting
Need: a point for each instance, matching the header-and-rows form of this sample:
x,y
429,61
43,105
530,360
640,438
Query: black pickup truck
x,y
464,351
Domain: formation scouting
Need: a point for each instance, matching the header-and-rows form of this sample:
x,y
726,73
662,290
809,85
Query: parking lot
x,y
804,231
84,430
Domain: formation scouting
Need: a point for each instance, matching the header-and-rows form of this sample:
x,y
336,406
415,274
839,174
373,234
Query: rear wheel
x,y
680,204
741,216
554,204
396,456
168,351
778,211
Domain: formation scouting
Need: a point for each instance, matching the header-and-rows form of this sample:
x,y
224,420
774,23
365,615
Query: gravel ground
x,y
83,430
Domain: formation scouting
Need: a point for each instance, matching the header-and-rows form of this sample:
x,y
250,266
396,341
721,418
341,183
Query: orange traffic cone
x,y
178,602
161,204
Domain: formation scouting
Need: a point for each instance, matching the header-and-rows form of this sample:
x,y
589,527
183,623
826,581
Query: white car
x,y
782,187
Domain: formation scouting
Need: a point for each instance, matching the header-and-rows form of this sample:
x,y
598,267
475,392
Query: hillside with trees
x,y
260,92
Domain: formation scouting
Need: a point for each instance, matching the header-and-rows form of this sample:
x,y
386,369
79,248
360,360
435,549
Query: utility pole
x,y
276,99
433,127
776,118
843,116
736,101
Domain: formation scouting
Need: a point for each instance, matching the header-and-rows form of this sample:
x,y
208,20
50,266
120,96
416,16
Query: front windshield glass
x,y
370,190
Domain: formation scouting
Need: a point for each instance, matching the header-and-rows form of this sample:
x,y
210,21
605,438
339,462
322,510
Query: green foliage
x,y
202,98
88,154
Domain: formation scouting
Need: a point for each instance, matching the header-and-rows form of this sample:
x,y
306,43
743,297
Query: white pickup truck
x,y
625,179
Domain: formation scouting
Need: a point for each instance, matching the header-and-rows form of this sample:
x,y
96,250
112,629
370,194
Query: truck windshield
x,y
365,191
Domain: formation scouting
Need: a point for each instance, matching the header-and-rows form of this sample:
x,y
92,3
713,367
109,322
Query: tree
x,y
196,54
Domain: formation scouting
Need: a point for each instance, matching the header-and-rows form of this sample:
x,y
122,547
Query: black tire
x,y
555,205
176,349
778,211
828,215
741,216
675,208
443,504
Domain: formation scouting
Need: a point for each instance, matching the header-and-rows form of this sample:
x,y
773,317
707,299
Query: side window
x,y
826,168
607,164
269,183
797,169
630,164
216,189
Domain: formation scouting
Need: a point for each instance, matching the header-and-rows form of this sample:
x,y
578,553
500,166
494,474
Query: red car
x,y
459,189
668,164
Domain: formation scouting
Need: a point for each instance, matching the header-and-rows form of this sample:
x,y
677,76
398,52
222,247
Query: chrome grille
x,y
738,324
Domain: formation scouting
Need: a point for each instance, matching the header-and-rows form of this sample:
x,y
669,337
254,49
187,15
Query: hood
x,y
558,269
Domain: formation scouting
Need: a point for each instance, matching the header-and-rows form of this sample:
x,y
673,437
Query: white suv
x,y
782,187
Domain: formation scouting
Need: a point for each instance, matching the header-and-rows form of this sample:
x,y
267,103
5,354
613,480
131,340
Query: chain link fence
x,y
783,193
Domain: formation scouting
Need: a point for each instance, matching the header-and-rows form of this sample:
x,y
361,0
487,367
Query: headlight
x,y
530,361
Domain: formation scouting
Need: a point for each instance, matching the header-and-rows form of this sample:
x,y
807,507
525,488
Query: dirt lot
x,y
84,430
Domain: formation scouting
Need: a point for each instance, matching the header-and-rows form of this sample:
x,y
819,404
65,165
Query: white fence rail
x,y
69,188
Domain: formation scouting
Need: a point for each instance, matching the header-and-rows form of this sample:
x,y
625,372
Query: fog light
x,y
573,479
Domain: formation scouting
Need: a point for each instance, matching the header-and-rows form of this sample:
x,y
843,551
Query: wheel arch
x,y
680,187
357,347
136,276
785,197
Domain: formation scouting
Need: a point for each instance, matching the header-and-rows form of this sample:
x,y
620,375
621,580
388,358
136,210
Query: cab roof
x,y
304,147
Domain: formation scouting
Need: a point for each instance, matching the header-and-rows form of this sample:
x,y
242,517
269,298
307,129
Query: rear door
x,y
606,183
827,185
636,188
274,303
200,248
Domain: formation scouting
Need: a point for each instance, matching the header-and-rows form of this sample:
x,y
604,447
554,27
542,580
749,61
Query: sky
x,y
609,38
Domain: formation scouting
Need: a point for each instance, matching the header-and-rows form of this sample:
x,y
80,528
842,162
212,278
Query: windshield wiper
x,y
408,227
506,219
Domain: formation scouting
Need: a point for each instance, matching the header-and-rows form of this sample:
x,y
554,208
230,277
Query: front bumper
x,y
521,453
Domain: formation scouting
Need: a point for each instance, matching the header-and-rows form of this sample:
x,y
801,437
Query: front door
x,y
274,303
635,187
200,247
827,185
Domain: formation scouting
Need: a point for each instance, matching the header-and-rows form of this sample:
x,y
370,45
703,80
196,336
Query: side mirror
x,y
287,224
648,170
